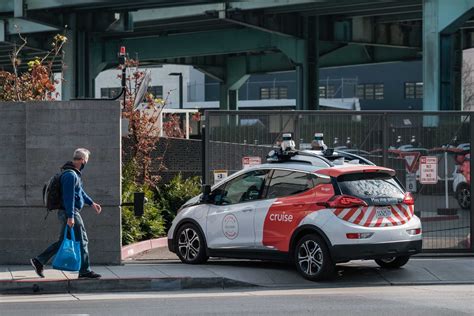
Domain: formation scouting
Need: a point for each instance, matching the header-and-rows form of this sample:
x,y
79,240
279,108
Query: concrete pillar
x,y
80,72
441,19
307,70
236,76
68,87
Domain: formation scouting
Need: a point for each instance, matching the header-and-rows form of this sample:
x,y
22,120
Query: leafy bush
x,y
173,195
151,224
160,209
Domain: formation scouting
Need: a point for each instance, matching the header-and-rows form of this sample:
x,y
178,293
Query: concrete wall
x,y
36,138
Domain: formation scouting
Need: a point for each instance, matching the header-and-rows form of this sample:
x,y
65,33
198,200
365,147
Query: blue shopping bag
x,y
68,257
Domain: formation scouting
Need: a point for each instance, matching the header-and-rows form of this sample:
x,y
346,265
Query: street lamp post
x,y
180,87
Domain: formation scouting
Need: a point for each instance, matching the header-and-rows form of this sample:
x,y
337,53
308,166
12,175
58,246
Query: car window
x,y
247,187
285,183
374,188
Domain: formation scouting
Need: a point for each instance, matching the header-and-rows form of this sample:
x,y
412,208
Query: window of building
x,y
360,91
157,91
370,91
108,93
283,93
379,91
419,90
331,91
409,90
327,91
413,90
273,93
264,93
322,92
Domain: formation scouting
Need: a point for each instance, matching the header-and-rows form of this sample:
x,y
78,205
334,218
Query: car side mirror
x,y
206,193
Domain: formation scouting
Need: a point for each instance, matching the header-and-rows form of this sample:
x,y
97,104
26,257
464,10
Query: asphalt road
x,y
388,300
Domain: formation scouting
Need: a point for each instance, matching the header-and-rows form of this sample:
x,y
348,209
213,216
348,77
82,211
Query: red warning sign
x,y
411,160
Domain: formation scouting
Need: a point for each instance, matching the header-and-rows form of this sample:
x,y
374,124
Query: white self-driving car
x,y
314,208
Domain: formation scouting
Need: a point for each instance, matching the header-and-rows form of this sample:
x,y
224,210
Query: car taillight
x,y
412,232
359,235
343,201
408,199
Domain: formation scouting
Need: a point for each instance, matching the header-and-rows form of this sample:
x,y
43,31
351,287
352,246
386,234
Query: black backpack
x,y
52,198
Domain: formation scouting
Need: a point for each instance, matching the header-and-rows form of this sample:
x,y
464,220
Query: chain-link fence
x,y
396,140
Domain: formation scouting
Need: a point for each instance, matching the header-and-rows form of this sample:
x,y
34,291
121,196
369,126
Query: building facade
x,y
388,86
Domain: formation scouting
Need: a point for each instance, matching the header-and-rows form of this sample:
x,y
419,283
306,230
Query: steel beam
x,y
23,26
147,15
222,42
357,54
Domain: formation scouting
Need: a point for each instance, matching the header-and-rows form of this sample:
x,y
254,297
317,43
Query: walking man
x,y
73,199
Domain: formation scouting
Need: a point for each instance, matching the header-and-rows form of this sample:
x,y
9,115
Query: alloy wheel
x,y
310,257
189,244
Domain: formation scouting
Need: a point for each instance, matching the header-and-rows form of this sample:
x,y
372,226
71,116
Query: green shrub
x,y
173,195
151,224
159,210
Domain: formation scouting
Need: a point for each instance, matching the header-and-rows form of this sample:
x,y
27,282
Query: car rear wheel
x,y
392,262
190,245
463,195
312,258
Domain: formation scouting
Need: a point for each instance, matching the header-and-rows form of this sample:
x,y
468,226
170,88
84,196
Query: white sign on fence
x,y
428,170
219,175
410,182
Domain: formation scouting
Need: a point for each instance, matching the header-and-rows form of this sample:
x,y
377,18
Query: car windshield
x,y
374,188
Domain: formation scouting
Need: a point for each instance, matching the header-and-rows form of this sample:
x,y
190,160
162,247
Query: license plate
x,y
383,212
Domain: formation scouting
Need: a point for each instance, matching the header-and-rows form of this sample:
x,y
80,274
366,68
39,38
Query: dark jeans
x,y
80,234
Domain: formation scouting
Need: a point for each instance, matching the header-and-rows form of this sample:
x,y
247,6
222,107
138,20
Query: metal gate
x,y
398,140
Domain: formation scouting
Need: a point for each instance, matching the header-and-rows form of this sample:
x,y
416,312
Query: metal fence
x,y
393,139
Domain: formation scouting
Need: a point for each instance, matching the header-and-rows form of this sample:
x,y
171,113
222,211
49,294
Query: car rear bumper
x,y
341,253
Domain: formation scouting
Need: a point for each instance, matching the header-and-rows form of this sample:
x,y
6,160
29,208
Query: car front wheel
x,y
392,262
312,258
190,245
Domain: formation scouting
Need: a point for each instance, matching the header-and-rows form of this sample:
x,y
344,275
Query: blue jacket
x,y
73,195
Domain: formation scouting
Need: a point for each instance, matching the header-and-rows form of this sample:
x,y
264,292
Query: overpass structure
x,y
230,40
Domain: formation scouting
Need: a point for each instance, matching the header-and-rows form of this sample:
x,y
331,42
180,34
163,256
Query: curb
x,y
119,285
136,248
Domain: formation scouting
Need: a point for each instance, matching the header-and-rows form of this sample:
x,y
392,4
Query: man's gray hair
x,y
81,153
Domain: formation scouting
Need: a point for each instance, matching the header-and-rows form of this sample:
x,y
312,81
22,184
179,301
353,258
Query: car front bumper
x,y
342,253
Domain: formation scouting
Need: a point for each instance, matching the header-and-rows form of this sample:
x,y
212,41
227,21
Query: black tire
x,y
190,245
312,258
463,195
393,262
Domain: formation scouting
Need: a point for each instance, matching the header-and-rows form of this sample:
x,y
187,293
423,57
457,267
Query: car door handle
x,y
299,204
247,210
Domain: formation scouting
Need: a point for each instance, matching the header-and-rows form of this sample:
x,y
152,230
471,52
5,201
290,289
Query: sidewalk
x,y
172,275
